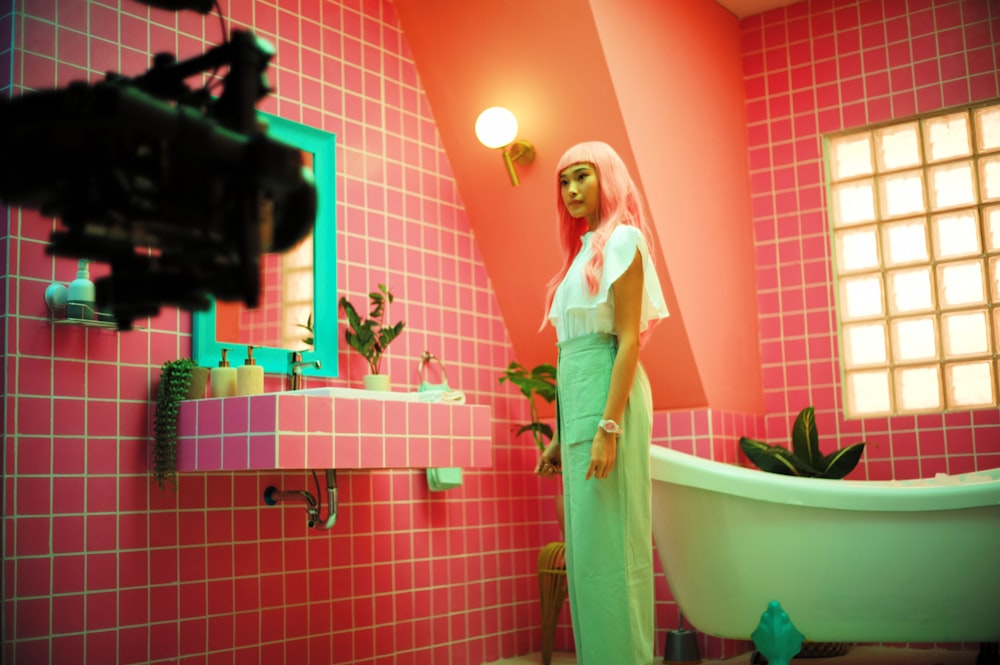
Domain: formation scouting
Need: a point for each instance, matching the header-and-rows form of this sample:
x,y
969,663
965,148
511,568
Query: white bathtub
x,y
849,561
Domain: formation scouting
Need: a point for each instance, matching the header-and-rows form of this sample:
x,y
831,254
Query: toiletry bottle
x,y
222,380
80,299
250,377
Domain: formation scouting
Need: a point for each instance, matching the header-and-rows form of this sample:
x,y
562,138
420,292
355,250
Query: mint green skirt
x,y
609,552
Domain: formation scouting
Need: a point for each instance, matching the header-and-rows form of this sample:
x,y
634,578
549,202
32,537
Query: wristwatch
x,y
610,426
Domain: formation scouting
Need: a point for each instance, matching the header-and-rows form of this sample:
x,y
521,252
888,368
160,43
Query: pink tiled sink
x,y
340,428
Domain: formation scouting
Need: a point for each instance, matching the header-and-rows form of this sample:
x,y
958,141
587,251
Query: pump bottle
x,y
250,376
80,298
222,379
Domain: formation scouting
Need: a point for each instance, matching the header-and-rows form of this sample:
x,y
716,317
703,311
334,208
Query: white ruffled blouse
x,y
576,312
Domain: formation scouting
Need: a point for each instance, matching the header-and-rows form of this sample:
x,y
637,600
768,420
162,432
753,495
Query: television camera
x,y
179,190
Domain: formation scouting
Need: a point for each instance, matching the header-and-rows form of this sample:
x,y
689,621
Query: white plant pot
x,y
377,382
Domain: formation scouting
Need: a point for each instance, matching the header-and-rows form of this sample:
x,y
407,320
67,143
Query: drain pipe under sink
x,y
272,495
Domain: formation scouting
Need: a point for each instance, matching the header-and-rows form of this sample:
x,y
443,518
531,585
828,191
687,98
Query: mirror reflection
x,y
284,317
297,310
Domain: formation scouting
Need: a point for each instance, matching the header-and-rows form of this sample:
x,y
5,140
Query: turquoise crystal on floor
x,y
776,637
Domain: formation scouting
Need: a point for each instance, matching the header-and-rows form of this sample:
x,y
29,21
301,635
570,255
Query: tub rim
x,y
680,468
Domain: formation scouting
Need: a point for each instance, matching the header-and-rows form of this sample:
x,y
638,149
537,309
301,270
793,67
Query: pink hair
x,y
620,203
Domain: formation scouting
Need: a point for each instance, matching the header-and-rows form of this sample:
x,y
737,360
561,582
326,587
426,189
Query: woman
x,y
603,303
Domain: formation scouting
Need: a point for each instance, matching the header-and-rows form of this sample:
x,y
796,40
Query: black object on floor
x,y
681,645
989,653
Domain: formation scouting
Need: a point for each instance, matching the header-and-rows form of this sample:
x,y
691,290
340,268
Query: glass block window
x,y
915,215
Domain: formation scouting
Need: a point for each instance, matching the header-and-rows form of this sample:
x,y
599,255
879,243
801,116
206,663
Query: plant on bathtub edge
x,y
805,457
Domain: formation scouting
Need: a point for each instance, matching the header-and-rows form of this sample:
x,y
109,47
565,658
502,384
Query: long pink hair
x,y
620,203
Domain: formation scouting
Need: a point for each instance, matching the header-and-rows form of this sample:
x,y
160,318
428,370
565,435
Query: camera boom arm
x,y
178,191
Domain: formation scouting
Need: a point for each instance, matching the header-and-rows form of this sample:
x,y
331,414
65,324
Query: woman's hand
x,y
550,463
603,453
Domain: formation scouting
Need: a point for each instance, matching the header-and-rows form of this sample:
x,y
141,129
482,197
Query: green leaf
x,y
353,319
308,325
773,459
386,335
805,439
843,461
539,381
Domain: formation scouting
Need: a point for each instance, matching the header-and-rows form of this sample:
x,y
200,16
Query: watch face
x,y
610,426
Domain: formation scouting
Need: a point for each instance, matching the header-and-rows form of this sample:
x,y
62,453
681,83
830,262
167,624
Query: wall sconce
x,y
496,127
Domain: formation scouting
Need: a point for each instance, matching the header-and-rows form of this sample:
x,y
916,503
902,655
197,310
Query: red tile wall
x,y
100,566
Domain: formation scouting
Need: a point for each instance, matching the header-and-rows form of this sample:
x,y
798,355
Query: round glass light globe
x,y
496,127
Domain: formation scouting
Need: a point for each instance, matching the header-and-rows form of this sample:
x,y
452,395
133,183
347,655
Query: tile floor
x,y
859,655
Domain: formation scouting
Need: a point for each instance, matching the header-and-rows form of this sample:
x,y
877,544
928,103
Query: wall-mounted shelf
x,y
342,429
55,300
86,323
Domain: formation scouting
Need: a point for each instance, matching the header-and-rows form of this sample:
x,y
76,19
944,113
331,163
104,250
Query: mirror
x,y
298,287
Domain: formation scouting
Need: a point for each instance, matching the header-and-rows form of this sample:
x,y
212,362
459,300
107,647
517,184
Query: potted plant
x,y
175,385
540,381
371,336
805,457
807,460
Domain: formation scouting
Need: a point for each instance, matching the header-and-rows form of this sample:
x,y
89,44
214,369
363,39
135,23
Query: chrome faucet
x,y
297,365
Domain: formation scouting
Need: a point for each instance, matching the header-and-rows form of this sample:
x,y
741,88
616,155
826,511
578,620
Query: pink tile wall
x,y
813,68
100,566
824,66
296,431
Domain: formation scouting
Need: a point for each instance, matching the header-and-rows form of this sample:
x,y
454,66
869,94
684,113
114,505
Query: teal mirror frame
x,y
207,351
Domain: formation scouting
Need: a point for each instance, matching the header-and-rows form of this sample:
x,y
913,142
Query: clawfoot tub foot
x,y
989,653
775,637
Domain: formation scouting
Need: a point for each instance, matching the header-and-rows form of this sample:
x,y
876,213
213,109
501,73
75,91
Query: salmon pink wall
x,y
662,83
821,67
102,567
544,61
678,77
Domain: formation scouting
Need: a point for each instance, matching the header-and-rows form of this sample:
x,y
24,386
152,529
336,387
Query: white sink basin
x,y
359,393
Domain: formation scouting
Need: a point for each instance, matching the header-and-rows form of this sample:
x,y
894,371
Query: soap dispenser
x,y
250,376
80,298
222,380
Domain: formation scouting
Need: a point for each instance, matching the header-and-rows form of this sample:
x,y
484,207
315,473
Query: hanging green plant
x,y
175,380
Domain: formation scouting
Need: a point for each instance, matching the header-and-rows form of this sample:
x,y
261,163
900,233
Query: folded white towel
x,y
451,396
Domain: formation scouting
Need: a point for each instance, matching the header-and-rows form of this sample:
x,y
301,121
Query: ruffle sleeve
x,y
619,253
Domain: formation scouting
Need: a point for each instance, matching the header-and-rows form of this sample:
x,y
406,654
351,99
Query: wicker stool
x,y
552,591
